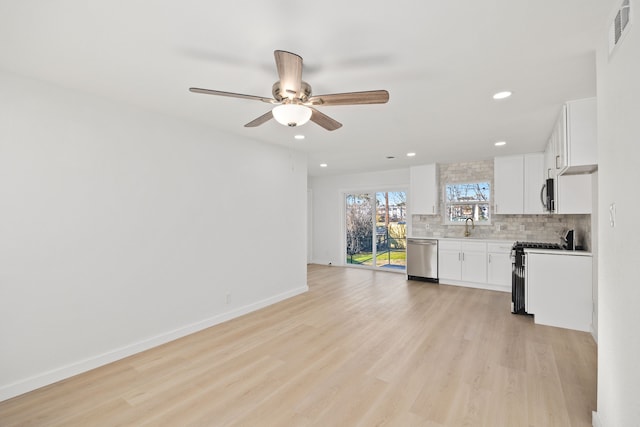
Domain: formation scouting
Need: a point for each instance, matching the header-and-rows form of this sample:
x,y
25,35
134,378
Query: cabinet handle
x,y
459,259
496,208
612,215
557,158
462,256
489,258
433,209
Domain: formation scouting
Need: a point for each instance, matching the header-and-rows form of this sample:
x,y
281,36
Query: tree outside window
x,y
468,200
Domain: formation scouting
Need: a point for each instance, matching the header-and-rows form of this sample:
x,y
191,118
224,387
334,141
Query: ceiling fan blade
x,y
323,120
290,72
260,120
351,98
232,95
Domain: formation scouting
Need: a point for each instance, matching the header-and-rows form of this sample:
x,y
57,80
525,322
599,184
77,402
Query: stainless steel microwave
x,y
547,196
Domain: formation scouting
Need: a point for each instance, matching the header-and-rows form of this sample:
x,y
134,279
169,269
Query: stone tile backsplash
x,y
532,228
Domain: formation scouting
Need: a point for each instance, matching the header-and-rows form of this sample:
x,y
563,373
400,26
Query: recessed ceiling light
x,y
502,95
500,143
299,137
411,154
323,165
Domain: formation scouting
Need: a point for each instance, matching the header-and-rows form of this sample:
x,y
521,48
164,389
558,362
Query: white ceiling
x,y
441,61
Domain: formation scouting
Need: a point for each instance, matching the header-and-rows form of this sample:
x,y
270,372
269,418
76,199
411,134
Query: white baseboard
x,y
595,420
40,380
321,262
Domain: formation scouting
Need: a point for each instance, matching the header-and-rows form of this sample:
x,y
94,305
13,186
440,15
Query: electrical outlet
x,y
498,227
427,226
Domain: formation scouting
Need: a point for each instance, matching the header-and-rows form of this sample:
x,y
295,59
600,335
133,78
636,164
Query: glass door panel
x,y
391,230
359,229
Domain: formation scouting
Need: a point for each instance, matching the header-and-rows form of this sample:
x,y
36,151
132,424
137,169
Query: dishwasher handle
x,y
422,242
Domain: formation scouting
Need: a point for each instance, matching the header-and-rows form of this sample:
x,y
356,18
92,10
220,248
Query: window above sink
x,y
467,200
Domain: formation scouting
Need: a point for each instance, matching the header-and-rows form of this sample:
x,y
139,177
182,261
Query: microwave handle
x,y
542,198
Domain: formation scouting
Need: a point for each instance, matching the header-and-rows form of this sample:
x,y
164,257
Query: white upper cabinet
x,y
550,157
534,179
508,185
571,153
517,184
576,148
574,194
423,190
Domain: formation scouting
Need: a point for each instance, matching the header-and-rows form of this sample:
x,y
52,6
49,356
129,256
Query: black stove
x,y
536,245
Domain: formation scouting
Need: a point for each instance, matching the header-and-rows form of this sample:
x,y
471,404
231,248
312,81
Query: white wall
x,y
121,229
619,285
328,204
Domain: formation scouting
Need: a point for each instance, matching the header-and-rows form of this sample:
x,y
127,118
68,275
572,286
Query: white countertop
x,y
510,242
557,252
472,239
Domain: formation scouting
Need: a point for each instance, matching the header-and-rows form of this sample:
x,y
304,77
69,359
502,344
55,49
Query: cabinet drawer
x,y
499,247
449,245
474,246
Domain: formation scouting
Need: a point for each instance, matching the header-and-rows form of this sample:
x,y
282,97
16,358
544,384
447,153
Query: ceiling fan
x,y
292,96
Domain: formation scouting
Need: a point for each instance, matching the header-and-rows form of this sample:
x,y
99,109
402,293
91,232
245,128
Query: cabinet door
x,y
549,158
559,290
561,143
474,262
499,268
508,186
449,260
533,182
574,194
423,191
474,267
582,135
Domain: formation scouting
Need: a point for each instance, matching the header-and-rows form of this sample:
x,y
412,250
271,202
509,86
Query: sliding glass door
x,y
375,226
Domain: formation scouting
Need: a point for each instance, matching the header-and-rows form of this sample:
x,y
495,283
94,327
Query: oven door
x,y
518,288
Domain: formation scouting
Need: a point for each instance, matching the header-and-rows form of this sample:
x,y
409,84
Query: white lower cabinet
x,y
462,260
499,266
449,260
559,290
475,263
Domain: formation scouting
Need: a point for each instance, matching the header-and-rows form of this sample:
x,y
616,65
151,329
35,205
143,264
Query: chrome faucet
x,y
467,232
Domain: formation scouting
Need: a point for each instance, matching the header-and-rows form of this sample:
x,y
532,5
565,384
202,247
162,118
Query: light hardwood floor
x,y
361,348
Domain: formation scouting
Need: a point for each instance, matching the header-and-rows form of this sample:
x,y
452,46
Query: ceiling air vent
x,y
620,25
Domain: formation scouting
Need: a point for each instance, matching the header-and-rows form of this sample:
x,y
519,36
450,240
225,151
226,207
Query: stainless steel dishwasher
x,y
422,259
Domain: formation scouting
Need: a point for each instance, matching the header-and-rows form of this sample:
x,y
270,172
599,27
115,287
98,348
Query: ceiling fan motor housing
x,y
283,95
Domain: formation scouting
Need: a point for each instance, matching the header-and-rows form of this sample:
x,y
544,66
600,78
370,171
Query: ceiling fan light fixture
x,y
291,114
